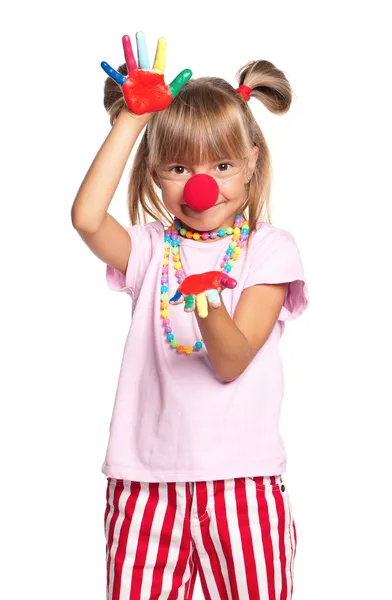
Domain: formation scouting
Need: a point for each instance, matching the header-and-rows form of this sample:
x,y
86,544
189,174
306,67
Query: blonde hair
x,y
208,120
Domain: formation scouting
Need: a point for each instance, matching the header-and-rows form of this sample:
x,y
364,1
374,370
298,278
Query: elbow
x,y
230,376
81,224
227,379
76,220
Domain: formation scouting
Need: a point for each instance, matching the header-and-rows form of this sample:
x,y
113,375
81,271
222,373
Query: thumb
x,y
181,79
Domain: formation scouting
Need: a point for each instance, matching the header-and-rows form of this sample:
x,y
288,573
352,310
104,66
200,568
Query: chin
x,y
206,219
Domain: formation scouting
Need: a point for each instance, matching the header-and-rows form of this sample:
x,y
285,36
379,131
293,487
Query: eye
x,y
223,164
176,167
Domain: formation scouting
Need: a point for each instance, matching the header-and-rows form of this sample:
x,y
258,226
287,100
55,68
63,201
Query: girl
x,y
195,459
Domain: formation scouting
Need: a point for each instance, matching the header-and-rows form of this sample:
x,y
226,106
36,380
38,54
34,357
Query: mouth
x,y
184,205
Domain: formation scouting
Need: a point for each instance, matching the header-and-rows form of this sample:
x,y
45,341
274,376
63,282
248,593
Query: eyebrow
x,y
220,160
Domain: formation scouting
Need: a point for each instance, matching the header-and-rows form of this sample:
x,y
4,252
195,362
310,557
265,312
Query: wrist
x,y
126,114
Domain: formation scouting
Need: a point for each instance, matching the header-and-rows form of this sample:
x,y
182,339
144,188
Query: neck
x,y
227,224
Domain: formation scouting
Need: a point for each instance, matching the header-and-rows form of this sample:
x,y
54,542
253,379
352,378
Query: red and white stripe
x,y
238,535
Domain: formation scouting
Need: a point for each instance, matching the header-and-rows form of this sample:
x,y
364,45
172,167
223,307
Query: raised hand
x,y
202,290
145,90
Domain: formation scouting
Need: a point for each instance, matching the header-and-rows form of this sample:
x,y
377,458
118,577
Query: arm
x,y
99,230
100,183
233,343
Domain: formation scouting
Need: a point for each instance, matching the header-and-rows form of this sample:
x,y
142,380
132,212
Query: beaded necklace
x,y
239,233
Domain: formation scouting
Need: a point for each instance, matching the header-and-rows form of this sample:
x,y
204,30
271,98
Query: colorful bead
x,y
205,235
239,235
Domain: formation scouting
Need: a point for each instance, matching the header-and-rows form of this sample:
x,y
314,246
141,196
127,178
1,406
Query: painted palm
x,y
144,90
202,290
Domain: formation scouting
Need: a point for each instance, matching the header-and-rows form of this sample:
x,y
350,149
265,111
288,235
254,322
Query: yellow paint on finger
x,y
202,305
160,56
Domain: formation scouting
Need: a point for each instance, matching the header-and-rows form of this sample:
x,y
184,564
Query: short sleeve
x,y
144,239
275,258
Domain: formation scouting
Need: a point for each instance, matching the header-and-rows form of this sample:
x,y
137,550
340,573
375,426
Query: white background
x,y
63,330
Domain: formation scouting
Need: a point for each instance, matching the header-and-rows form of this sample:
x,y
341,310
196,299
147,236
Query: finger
x,y
189,303
115,75
227,281
213,298
177,298
128,54
181,79
142,51
202,305
160,56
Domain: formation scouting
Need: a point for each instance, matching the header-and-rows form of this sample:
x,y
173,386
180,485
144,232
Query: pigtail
x,y
113,98
268,84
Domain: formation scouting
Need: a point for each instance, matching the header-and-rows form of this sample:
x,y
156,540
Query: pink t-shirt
x,y
173,419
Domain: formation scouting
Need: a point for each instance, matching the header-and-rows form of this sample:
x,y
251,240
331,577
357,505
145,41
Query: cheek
x,y
171,190
232,189
172,196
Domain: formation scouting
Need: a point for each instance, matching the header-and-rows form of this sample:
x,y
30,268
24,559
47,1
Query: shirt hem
x,y
130,474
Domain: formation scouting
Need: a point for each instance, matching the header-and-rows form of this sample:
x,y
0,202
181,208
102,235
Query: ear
x,y
252,162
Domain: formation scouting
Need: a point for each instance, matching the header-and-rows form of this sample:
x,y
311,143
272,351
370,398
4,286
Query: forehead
x,y
194,137
224,159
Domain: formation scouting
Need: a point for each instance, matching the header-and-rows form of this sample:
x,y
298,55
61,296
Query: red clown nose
x,y
201,192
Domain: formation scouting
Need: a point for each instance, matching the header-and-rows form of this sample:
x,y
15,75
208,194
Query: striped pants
x,y
238,534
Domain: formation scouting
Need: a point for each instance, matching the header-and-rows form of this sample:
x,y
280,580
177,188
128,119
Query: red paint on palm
x,y
146,92
211,280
